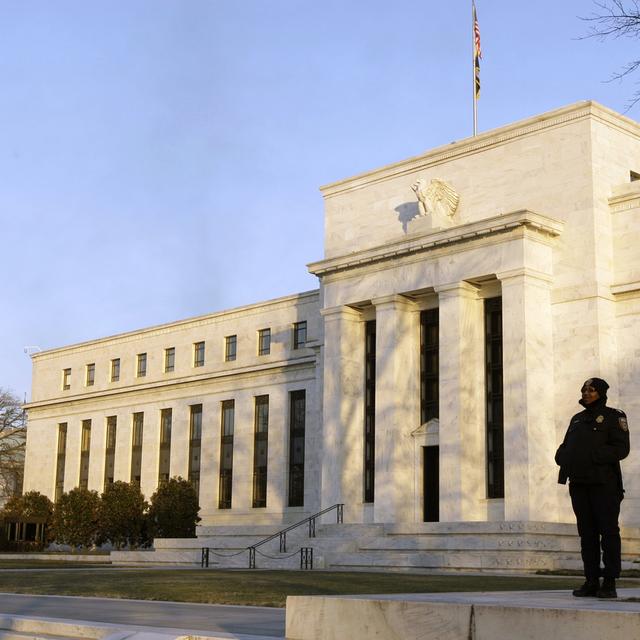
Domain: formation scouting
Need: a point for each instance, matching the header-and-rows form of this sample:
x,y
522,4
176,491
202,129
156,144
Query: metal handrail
x,y
311,520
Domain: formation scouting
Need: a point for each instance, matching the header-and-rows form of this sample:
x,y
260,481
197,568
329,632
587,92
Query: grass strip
x,y
259,588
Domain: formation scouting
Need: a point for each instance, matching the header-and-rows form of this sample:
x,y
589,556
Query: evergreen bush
x,y
75,518
174,510
122,516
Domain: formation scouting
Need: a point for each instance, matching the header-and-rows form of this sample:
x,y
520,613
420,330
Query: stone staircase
x,y
499,547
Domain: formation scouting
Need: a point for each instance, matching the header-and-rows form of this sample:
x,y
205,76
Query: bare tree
x,y
617,19
13,436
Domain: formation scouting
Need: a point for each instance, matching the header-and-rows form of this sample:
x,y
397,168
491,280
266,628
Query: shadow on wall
x,y
407,211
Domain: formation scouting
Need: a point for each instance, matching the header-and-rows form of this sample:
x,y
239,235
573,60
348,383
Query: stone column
x,y
397,407
461,432
343,415
150,453
529,430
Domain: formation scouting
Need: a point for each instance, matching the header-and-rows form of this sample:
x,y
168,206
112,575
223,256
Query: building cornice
x,y
281,366
198,321
496,137
545,227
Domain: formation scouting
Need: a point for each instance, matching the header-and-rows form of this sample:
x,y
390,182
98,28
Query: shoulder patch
x,y
622,423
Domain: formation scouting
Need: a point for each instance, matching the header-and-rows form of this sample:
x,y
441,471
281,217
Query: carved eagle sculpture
x,y
439,198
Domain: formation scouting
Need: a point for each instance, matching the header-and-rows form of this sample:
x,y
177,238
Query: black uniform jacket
x,y
595,442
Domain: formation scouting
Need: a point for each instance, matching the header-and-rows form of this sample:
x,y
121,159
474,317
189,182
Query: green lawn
x,y
265,588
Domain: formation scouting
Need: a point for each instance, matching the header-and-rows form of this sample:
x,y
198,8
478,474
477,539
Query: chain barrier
x,y
264,555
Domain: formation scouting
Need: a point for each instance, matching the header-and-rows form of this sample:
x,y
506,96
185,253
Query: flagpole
x,y
473,67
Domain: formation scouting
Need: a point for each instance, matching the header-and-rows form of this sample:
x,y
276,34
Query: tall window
x,y
85,448
195,443
198,354
66,379
115,370
226,455
296,447
369,410
494,402
429,365
260,447
299,334
91,374
60,462
110,451
230,346
136,447
169,359
141,365
264,342
166,417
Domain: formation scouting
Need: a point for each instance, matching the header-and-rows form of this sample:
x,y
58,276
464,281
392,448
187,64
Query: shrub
x,y
122,516
31,505
174,510
75,518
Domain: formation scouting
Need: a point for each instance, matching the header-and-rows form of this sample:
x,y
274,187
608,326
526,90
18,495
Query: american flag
x,y
477,52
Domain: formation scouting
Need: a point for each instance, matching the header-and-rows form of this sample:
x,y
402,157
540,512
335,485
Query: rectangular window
x,y
369,410
198,354
115,370
169,359
110,450
166,418
141,366
260,448
230,345
296,447
60,462
226,455
136,447
85,448
429,365
264,342
90,375
494,402
299,334
66,379
195,442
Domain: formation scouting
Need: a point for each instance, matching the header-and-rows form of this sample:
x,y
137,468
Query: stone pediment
x,y
432,427
544,227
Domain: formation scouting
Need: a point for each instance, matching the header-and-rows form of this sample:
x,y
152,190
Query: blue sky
x,y
161,159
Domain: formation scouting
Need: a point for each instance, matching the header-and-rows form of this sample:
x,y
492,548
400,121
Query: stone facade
x,y
543,214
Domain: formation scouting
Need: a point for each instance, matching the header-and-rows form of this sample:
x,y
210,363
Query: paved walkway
x,y
172,617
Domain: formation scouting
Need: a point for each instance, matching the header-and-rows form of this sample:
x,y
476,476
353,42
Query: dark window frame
x,y
297,429
169,359
115,370
494,397
230,348
429,365
260,450
369,452
227,427
264,341
141,365
299,334
198,354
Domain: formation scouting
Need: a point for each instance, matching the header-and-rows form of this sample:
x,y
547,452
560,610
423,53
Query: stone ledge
x,y
532,615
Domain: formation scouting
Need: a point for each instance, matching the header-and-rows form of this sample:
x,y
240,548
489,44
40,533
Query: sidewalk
x,y
114,616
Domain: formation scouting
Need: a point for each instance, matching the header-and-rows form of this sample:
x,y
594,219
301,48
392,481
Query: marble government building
x,y
464,295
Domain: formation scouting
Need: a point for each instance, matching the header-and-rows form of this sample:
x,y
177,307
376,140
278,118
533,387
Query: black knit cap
x,y
598,384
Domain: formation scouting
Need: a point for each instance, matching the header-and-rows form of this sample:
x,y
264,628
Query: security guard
x,y
595,442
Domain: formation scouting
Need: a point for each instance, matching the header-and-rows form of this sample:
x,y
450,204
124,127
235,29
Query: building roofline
x,y
164,327
502,135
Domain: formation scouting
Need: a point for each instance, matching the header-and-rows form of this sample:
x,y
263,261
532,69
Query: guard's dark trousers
x,y
597,507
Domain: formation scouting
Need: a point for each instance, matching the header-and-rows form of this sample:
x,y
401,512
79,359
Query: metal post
x,y
283,542
340,514
306,558
252,557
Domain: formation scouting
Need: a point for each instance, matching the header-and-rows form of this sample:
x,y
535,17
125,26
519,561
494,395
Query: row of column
x,y
529,433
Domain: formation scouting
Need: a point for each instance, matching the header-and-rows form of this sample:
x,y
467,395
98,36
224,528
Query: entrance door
x,y
431,483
